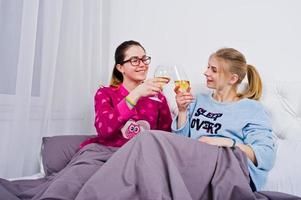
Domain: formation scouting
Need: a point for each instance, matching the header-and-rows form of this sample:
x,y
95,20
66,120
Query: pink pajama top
x,y
112,113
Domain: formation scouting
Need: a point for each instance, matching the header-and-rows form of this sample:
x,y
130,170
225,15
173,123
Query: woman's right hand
x,y
183,99
150,87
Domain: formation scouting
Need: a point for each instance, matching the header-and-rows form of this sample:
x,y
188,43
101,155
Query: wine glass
x,y
164,73
180,78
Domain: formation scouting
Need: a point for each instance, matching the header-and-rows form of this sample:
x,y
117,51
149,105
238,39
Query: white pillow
x,y
285,176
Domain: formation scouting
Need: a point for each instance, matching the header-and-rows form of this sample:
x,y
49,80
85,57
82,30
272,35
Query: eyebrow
x,y
211,65
136,57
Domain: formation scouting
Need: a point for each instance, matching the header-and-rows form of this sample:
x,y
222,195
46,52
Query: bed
x,y
283,104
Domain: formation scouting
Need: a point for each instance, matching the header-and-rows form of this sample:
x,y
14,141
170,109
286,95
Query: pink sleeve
x,y
109,119
164,121
124,110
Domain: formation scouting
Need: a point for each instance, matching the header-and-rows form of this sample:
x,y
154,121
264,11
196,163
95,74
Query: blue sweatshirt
x,y
245,121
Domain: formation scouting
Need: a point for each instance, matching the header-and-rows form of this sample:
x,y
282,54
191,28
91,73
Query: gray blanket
x,y
153,165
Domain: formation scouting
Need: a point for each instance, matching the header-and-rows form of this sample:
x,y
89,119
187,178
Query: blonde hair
x,y
238,65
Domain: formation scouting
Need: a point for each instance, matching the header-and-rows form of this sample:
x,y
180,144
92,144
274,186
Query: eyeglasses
x,y
135,61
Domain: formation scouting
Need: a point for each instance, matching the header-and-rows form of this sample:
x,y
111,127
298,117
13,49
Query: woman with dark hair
x,y
124,109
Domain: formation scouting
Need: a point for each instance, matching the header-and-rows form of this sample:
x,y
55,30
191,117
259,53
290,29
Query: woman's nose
x,y
206,73
141,64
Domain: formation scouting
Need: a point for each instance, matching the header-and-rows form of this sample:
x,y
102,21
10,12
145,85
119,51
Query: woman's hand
x,y
183,99
149,87
227,142
218,141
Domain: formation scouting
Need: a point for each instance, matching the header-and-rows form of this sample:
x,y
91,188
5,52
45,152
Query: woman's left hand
x,y
218,141
227,142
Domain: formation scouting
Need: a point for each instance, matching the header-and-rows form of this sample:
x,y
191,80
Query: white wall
x,y
187,32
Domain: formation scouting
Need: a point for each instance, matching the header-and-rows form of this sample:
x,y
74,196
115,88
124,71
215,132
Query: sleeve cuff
x,y
124,111
174,125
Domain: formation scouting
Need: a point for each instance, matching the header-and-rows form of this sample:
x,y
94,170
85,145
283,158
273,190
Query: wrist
x,y
131,102
182,111
133,96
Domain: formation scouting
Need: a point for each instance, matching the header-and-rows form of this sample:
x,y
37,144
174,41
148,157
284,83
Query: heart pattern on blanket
x,y
132,128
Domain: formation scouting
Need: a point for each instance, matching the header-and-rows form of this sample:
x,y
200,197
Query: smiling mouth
x,y
140,71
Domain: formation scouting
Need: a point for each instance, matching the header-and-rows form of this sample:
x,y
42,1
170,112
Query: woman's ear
x,y
234,79
120,68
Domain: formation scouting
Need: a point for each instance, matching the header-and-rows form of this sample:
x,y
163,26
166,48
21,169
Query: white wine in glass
x,y
164,73
183,85
180,78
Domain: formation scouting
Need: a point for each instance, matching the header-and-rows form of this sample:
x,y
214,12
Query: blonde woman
x,y
228,118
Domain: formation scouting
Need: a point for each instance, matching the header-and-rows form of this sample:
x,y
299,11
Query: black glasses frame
x,y
135,61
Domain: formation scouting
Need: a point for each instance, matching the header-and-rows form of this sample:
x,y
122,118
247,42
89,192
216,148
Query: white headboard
x,y
283,102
